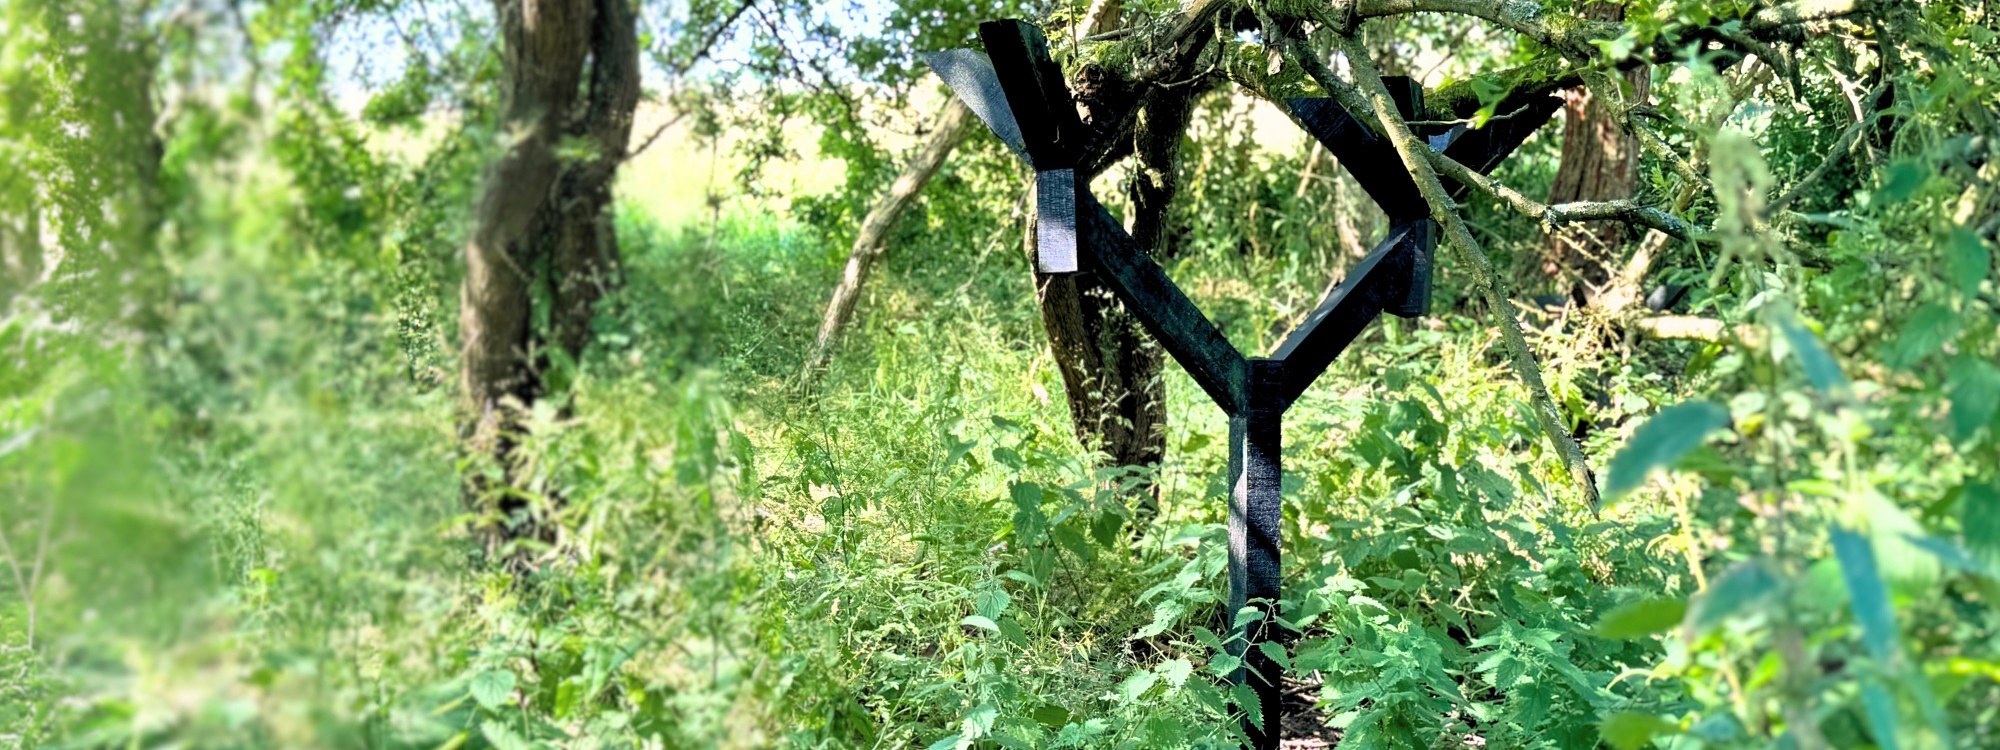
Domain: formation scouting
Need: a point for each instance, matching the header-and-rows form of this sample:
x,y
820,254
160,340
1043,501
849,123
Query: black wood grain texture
x,y
1040,99
1369,157
1166,312
1256,535
1382,281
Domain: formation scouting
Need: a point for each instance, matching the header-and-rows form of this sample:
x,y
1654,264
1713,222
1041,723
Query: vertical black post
x,y
1256,447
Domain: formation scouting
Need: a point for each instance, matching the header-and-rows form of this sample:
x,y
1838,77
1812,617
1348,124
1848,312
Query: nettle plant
x,y
1824,612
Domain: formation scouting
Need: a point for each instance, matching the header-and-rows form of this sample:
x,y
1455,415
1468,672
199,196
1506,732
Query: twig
x,y
1472,120
1846,143
648,143
1567,213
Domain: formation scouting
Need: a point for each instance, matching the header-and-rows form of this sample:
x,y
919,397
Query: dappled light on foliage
x,y
252,496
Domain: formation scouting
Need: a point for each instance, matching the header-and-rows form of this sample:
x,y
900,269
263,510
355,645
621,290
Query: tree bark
x,y
872,241
585,259
540,218
1110,367
1600,162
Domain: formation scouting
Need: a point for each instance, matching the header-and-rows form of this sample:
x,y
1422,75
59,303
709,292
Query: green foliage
x,y
232,504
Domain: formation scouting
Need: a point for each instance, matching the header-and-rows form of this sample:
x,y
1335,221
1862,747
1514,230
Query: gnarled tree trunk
x,y
1600,162
540,218
1110,367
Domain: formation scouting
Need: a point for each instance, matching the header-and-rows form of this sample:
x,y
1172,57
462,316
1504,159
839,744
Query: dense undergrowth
x,y
242,527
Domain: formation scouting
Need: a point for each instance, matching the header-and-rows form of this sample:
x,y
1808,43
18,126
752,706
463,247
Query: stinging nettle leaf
x,y
1924,333
1742,588
983,623
1869,597
1970,260
1821,370
1974,388
1662,440
1904,179
1136,685
1641,618
1631,730
492,688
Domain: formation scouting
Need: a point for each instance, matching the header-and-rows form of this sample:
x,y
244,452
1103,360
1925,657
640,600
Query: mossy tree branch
x,y
1369,97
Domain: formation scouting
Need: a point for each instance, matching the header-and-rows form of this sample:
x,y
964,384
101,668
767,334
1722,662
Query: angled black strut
x,y
1019,91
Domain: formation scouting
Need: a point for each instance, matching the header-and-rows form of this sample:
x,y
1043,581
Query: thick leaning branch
x,y
872,240
1565,213
1485,281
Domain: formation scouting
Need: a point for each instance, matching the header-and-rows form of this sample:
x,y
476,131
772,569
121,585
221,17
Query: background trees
x,y
244,245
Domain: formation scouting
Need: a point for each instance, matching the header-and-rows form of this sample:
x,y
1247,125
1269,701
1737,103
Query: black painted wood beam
x,y
1033,82
1381,282
1050,130
1256,541
1165,311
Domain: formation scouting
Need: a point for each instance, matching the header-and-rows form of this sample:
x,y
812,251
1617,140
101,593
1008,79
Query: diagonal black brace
x,y
1039,121
1050,130
1161,307
1381,282
1374,163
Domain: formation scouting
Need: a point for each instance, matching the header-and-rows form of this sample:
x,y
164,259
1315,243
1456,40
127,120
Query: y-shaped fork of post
x,y
1020,93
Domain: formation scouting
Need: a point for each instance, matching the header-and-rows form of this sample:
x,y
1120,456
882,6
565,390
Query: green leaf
x,y
1275,651
1105,528
1136,685
947,743
1880,708
1661,441
502,738
1980,517
1821,370
1974,388
1868,596
1631,730
992,602
1029,521
1073,540
1176,671
1164,615
1013,632
1905,177
1924,333
981,622
1053,717
1970,261
1640,618
1246,699
1745,585
492,688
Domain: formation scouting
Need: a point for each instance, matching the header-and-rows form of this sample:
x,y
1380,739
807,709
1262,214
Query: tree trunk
x,y
1600,162
540,218
1111,368
585,260
872,240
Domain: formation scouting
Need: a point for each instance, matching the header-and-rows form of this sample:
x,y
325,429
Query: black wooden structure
x,y
1019,91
